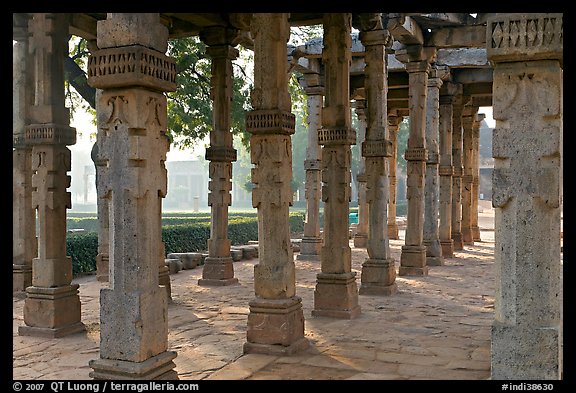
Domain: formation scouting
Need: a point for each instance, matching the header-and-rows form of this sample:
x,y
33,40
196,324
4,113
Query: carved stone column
x,y
218,267
476,176
468,118
24,242
276,320
527,51
431,189
457,108
102,258
132,121
393,126
52,305
311,244
413,257
361,236
378,271
336,293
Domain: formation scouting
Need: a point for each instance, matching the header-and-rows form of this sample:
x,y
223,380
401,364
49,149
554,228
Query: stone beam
x,y
472,75
406,30
444,18
481,101
478,89
458,37
463,57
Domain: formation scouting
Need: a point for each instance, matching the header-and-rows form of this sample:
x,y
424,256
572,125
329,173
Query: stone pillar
x,y
378,271
413,257
361,236
445,168
431,189
133,72
276,320
102,259
24,242
457,108
311,244
218,267
468,118
52,305
393,126
476,176
527,51
336,293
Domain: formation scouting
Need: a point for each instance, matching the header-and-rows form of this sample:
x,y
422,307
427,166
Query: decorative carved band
x,y
458,171
445,170
312,165
467,179
50,133
336,136
314,90
270,121
416,154
516,37
377,148
220,154
362,178
432,158
18,141
132,65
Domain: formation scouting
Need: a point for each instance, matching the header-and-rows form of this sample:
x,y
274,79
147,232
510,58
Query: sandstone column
x,y
468,118
133,72
24,242
431,189
445,168
311,244
52,305
276,320
102,258
336,293
457,108
393,126
413,257
218,267
361,236
527,51
378,271
476,175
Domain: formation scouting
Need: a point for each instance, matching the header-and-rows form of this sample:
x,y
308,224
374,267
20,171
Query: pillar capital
x,y
519,37
375,37
416,54
218,35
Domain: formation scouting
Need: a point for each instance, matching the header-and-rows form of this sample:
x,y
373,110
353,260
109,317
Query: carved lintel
x,y
377,148
270,121
221,154
132,65
49,133
416,154
336,136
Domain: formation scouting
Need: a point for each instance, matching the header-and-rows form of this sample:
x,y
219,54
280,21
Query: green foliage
x,y
82,248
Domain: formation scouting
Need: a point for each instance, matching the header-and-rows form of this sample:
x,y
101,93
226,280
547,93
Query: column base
x,y
393,232
51,312
433,253
467,236
523,353
21,277
434,261
159,367
164,280
310,249
458,243
336,296
275,326
102,266
218,271
378,277
476,234
413,261
360,240
447,248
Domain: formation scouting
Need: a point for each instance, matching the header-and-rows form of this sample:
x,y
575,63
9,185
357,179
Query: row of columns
x,y
132,146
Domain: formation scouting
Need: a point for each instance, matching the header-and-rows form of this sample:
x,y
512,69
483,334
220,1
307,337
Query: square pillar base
x,y
275,326
218,271
21,277
413,261
164,280
393,232
458,242
51,312
447,248
521,353
360,240
159,367
336,296
378,277
476,234
310,249
434,261
467,237
102,267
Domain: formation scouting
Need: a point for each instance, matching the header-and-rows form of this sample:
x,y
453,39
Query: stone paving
x,y
435,327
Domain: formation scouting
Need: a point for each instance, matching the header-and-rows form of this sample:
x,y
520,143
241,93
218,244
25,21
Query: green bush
x,y
82,248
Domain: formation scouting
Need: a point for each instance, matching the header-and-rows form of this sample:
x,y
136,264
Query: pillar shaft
x,y
476,176
132,146
432,190
467,177
24,243
276,320
361,236
393,126
52,305
527,194
457,174
218,267
378,271
336,294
